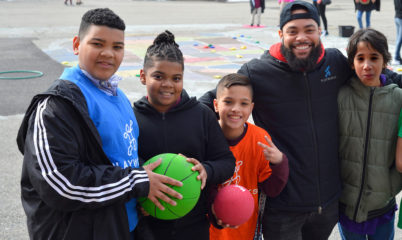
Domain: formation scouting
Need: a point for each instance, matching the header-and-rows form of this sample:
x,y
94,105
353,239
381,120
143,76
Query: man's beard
x,y
305,64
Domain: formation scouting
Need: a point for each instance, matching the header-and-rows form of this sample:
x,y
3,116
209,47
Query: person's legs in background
x,y
397,55
324,18
258,16
368,16
359,18
253,13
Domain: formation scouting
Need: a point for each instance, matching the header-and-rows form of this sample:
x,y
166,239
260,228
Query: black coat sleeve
x,y
208,98
393,77
59,168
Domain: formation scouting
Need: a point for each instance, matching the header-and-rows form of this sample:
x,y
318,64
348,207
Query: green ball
x,y
176,167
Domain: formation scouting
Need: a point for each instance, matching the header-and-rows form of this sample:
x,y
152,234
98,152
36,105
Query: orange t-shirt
x,y
251,168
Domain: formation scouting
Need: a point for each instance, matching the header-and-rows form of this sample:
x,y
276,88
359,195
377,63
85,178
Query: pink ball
x,y
234,205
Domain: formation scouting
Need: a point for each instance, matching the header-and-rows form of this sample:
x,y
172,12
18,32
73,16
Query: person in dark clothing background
x,y
321,6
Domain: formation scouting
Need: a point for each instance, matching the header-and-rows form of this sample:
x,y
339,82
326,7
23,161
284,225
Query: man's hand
x,y
202,176
271,152
158,188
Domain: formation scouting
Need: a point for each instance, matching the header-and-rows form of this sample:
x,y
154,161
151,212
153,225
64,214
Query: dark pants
x,y
285,225
321,11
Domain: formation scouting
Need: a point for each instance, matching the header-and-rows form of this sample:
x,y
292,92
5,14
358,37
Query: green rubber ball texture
x,y
175,166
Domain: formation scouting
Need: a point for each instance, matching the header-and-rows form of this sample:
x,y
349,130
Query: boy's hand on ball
x,y
271,152
200,168
219,222
158,188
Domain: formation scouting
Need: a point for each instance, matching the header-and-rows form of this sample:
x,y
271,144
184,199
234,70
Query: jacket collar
x,y
275,51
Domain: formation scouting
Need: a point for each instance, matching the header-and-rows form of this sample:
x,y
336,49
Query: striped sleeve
x,y
59,171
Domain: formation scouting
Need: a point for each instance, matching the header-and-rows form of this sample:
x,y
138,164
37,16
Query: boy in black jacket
x,y
76,139
171,121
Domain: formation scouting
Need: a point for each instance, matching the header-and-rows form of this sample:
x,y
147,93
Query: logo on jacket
x,y
128,134
328,76
327,72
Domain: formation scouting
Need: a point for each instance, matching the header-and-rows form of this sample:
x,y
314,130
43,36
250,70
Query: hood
x,y
186,102
275,51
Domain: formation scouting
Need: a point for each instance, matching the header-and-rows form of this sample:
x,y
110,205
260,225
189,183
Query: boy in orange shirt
x,y
253,150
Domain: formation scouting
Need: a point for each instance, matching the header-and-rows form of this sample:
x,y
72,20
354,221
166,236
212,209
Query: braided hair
x,y
164,48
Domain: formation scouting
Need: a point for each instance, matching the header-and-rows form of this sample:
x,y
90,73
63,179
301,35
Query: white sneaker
x,y
395,62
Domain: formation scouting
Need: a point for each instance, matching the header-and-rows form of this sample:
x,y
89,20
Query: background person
x,y
398,24
257,8
321,5
366,6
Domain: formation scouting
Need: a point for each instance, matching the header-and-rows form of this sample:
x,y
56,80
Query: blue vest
x,y
117,126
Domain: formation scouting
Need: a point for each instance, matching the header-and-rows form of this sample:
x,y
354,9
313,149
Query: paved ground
x,y
37,34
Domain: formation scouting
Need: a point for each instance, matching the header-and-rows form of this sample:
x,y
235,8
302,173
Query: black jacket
x,y
82,196
190,128
398,8
368,7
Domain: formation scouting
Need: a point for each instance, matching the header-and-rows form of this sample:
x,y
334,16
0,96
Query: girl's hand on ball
x,y
200,168
143,212
158,188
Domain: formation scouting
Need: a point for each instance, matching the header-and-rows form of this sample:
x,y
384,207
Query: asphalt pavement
x,y
37,35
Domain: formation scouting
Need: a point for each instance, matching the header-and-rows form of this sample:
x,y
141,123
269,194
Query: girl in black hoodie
x,y
172,122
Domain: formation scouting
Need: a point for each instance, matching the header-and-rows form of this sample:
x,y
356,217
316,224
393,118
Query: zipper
x,y
315,145
365,153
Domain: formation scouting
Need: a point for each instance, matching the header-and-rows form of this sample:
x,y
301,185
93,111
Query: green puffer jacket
x,y
368,121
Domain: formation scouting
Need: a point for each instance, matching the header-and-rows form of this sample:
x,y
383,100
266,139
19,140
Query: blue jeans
x,y
359,18
383,232
398,23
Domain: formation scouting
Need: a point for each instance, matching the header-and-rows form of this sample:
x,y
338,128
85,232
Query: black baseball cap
x,y
287,16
